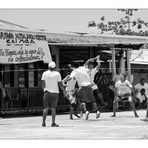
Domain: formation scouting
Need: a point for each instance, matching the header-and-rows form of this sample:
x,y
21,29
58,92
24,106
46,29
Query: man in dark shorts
x,y
85,93
51,80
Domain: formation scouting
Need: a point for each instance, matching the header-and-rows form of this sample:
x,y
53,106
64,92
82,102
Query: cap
x,y
52,64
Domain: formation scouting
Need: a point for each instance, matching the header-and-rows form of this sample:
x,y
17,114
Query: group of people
x,y
80,89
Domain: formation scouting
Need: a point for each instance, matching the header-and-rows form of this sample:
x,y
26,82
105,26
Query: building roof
x,y
8,26
85,39
80,38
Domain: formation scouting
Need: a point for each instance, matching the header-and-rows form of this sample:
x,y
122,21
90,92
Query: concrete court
x,y
124,126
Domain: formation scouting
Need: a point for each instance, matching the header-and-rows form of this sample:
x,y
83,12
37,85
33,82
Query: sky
x,y
54,20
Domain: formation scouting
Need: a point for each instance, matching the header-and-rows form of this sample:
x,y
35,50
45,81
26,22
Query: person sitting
x,y
141,90
142,101
123,90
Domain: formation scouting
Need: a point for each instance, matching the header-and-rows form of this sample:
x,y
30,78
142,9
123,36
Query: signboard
x,y
20,47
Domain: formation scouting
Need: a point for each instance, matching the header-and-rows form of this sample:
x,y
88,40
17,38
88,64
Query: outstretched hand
x,y
98,59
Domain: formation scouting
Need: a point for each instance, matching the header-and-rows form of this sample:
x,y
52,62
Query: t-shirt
x,y
138,87
92,74
81,76
51,79
71,85
123,87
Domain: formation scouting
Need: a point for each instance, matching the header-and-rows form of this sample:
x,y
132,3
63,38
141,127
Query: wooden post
x,y
113,63
128,64
110,66
122,63
57,58
55,52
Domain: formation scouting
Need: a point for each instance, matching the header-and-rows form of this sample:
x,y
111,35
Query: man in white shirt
x,y
138,87
85,93
123,90
51,80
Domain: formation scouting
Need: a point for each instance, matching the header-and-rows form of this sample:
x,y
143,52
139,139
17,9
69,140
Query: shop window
x,y
6,75
41,69
31,74
36,74
12,75
21,76
16,76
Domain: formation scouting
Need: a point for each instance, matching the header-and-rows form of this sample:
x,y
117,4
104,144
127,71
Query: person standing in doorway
x,y
51,80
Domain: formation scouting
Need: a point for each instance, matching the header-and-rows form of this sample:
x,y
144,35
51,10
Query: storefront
x,y
23,58
114,50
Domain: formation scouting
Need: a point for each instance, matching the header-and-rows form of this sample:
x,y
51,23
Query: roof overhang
x,y
118,41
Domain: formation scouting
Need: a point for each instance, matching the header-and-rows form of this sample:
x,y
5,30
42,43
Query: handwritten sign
x,y
16,47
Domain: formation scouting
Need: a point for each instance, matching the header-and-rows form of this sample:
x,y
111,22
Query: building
x,y
22,75
24,55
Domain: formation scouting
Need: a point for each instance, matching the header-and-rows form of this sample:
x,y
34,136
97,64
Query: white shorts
x,y
71,97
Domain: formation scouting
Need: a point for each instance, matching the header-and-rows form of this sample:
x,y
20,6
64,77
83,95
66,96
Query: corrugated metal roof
x,y
91,39
8,25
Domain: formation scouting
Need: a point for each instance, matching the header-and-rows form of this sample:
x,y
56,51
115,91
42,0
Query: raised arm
x,y
91,60
98,61
66,79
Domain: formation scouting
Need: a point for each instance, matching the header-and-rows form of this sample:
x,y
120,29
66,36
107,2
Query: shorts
x,y
85,94
124,97
50,99
91,106
98,95
71,97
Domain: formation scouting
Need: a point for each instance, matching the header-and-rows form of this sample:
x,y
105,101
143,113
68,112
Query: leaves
x,y
122,27
91,24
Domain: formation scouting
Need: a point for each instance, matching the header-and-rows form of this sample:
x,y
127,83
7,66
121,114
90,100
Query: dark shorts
x,y
85,94
124,96
97,94
50,99
91,106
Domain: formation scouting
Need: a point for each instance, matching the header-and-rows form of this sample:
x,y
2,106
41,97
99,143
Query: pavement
x,y
122,127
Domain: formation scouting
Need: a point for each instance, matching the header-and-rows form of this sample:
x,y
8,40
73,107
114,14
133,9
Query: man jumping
x,y
85,93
